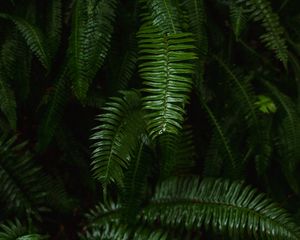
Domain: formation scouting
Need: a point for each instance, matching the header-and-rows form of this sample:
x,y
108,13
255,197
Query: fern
x,y
261,10
164,16
21,179
15,230
165,70
223,206
116,137
34,38
135,181
89,42
14,52
197,21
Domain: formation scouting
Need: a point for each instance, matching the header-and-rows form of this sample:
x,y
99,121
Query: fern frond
x,y
15,230
79,49
92,28
54,113
197,20
289,134
166,70
164,16
105,12
220,205
14,53
116,137
54,26
12,230
261,11
104,222
33,37
238,19
135,181
21,189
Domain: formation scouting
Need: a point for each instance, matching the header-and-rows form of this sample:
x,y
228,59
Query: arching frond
x,y
222,206
33,37
15,230
166,68
117,136
261,11
21,180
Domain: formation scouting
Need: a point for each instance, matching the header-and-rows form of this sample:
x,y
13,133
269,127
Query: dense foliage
x,y
197,129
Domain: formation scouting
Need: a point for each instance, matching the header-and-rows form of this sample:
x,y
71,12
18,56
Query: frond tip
x,y
220,205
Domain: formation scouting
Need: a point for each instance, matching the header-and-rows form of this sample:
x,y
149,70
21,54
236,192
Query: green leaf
x,y
116,137
166,67
33,37
220,205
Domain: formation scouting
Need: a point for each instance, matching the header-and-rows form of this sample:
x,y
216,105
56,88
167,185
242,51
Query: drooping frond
x,y
33,37
105,13
238,19
79,49
273,38
220,205
166,68
14,53
21,180
197,20
92,28
15,230
116,137
135,181
54,26
164,16
54,112
289,136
